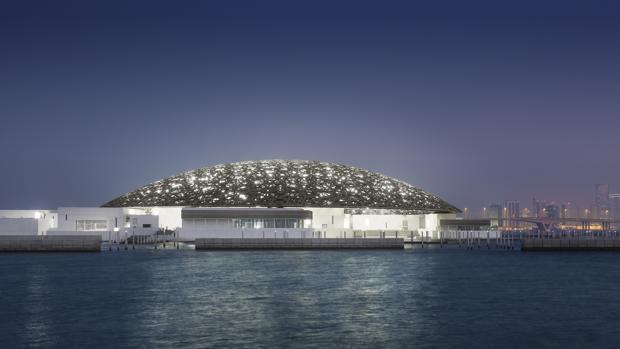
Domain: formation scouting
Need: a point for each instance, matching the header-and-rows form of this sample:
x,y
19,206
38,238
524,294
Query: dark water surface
x,y
412,298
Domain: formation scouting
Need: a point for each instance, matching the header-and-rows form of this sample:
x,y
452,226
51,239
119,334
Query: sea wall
x,y
296,244
43,243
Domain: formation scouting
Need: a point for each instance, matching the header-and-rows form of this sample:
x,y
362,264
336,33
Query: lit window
x,y
91,225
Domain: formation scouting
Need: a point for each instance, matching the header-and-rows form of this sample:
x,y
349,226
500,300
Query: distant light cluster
x,y
283,183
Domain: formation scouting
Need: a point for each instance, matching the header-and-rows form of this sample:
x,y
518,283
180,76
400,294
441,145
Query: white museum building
x,y
269,198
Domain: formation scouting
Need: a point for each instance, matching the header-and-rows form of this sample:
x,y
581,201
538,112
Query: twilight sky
x,y
476,101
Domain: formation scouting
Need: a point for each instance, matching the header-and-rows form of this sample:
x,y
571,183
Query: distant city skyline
x,y
605,204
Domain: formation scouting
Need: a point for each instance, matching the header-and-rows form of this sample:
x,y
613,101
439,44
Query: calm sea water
x,y
411,298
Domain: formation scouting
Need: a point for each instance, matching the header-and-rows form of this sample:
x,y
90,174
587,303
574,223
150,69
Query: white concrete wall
x,y
327,218
336,219
432,225
138,221
19,226
169,217
21,213
45,220
48,220
119,218
385,222
67,217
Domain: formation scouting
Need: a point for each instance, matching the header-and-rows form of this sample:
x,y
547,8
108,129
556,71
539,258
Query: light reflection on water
x,y
36,308
422,298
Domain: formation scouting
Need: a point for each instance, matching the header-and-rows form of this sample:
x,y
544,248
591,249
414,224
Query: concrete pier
x,y
297,244
45,243
570,244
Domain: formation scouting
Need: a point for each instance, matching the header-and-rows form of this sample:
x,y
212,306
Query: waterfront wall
x,y
296,244
534,244
42,243
188,234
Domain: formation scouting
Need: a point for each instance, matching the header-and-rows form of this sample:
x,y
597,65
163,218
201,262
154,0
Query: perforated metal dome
x,y
284,183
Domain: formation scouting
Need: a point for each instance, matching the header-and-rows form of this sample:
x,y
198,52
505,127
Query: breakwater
x,y
44,243
297,244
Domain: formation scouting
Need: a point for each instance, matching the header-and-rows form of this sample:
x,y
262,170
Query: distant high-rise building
x,y
601,201
578,212
567,211
494,214
614,205
526,212
563,211
511,211
552,211
537,208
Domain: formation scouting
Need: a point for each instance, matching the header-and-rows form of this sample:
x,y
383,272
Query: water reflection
x,y
410,298
36,307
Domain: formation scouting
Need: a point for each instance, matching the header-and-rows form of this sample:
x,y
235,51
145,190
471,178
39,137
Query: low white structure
x,y
118,223
27,222
305,222
343,222
245,223
109,223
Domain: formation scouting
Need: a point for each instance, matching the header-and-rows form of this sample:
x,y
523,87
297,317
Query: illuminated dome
x,y
284,183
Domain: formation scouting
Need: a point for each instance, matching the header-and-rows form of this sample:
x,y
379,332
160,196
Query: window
x,y
269,223
91,225
422,222
146,225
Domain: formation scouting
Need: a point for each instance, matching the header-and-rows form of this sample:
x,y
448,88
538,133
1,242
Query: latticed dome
x,y
284,183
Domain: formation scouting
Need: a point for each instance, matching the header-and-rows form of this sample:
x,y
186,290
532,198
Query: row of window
x,y
248,223
259,223
91,225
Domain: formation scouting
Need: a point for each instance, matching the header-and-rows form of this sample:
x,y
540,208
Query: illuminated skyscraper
x,y
563,211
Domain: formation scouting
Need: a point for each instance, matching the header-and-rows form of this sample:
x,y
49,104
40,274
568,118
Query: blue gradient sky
x,y
476,101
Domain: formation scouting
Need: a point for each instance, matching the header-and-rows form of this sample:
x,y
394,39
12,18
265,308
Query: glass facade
x,y
247,223
91,225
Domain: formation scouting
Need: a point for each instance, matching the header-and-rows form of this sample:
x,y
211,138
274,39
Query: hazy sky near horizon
x,y
476,101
